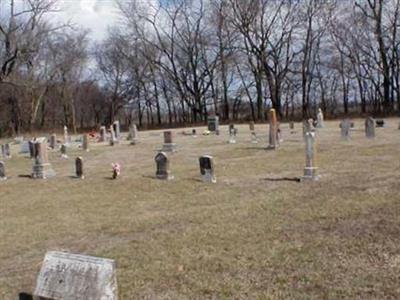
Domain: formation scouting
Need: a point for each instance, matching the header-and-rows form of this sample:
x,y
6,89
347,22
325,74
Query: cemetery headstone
x,y
41,167
345,126
63,150
79,168
113,138
380,123
163,166
169,145
213,124
370,128
310,170
66,139
103,134
2,171
117,130
24,147
291,125
32,149
65,276
194,133
207,169
53,141
85,142
6,151
253,134
232,134
273,130
320,119
133,134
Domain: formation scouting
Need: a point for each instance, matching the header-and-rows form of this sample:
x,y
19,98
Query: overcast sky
x,y
95,15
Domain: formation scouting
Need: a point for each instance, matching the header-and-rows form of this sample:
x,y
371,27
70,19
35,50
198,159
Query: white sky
x,y
95,15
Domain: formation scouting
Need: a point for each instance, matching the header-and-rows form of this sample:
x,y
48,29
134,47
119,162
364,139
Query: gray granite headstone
x,y
85,142
53,141
41,167
79,167
65,276
117,130
5,150
2,171
213,124
103,134
370,128
169,145
133,132
207,169
345,126
163,166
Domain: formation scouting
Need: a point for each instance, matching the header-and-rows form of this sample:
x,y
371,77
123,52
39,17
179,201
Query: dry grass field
x,y
253,235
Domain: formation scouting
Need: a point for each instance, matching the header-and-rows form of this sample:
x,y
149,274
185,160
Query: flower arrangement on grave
x,y
116,169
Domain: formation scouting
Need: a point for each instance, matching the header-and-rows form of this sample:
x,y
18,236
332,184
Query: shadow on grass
x,y
294,179
25,176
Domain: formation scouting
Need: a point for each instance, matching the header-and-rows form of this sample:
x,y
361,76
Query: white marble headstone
x,y
65,276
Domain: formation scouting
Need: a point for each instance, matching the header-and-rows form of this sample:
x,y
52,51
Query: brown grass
x,y
250,236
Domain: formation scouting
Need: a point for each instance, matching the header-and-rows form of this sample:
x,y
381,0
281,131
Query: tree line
x,y
173,63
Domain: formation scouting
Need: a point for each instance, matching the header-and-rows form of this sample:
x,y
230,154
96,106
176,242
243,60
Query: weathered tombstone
x,y
79,168
310,170
163,166
380,123
63,150
66,139
117,129
169,145
370,128
113,138
133,134
232,134
2,171
53,141
273,130
253,134
32,149
194,133
320,119
5,150
291,125
103,134
24,147
213,124
85,142
41,167
207,169
66,276
345,126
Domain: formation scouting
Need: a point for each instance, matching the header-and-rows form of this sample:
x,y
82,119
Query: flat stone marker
x,y
370,128
79,168
310,170
273,130
163,166
65,276
2,171
207,169
213,124
320,119
169,145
